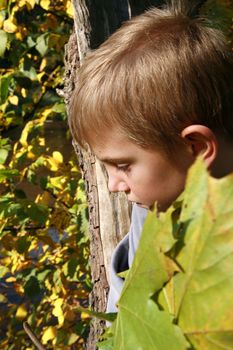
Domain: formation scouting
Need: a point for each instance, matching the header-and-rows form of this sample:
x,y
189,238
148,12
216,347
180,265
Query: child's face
x,y
145,175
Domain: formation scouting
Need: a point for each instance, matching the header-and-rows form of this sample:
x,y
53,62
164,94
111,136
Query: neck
x,y
223,164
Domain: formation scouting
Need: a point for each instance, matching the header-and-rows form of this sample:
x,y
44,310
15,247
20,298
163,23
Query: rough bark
x,y
108,214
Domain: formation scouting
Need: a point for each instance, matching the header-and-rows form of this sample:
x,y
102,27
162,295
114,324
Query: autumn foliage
x,y
44,273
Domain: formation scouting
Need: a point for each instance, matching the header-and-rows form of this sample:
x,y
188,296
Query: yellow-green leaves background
x,y
44,273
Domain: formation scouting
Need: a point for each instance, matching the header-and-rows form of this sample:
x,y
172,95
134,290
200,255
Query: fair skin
x,y
147,175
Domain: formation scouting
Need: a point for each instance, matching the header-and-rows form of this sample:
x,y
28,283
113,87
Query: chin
x,y
143,205
140,204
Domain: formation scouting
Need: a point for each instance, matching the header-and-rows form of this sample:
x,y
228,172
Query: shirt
x,y
123,256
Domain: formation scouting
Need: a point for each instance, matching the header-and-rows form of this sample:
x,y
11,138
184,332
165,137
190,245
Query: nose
x,y
116,184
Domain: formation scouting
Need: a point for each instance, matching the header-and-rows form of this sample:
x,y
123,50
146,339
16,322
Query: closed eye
x,y
124,167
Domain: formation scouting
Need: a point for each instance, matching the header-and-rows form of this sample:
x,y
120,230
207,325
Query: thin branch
x,y
33,337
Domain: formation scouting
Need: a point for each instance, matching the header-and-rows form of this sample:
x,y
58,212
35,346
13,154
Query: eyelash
x,y
123,168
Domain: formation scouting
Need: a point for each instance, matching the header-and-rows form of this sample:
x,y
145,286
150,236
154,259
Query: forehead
x,y
115,147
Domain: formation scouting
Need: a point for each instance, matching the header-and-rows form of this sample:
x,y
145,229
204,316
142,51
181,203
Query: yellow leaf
x,y
43,65
84,316
2,17
4,344
44,198
6,261
74,168
9,26
10,279
54,162
3,299
47,112
58,182
58,157
49,334
24,135
22,3
51,164
24,92
41,141
4,270
73,338
18,288
21,312
69,9
14,100
48,285
58,312
16,259
19,36
53,296
40,76
3,4
45,4
57,305
30,4
31,155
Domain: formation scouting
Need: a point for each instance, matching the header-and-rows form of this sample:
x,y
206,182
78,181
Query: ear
x,y
201,141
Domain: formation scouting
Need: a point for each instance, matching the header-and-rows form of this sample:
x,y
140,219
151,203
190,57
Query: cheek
x,y
143,184
163,186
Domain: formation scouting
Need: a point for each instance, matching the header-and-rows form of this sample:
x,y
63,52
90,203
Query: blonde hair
x,y
160,72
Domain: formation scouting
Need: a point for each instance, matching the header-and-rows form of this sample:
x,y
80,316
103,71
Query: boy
x,y
153,97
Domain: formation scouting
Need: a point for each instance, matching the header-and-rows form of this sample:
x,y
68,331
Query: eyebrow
x,y
116,160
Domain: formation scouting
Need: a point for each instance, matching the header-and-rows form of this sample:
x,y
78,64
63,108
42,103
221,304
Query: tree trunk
x,y
108,213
